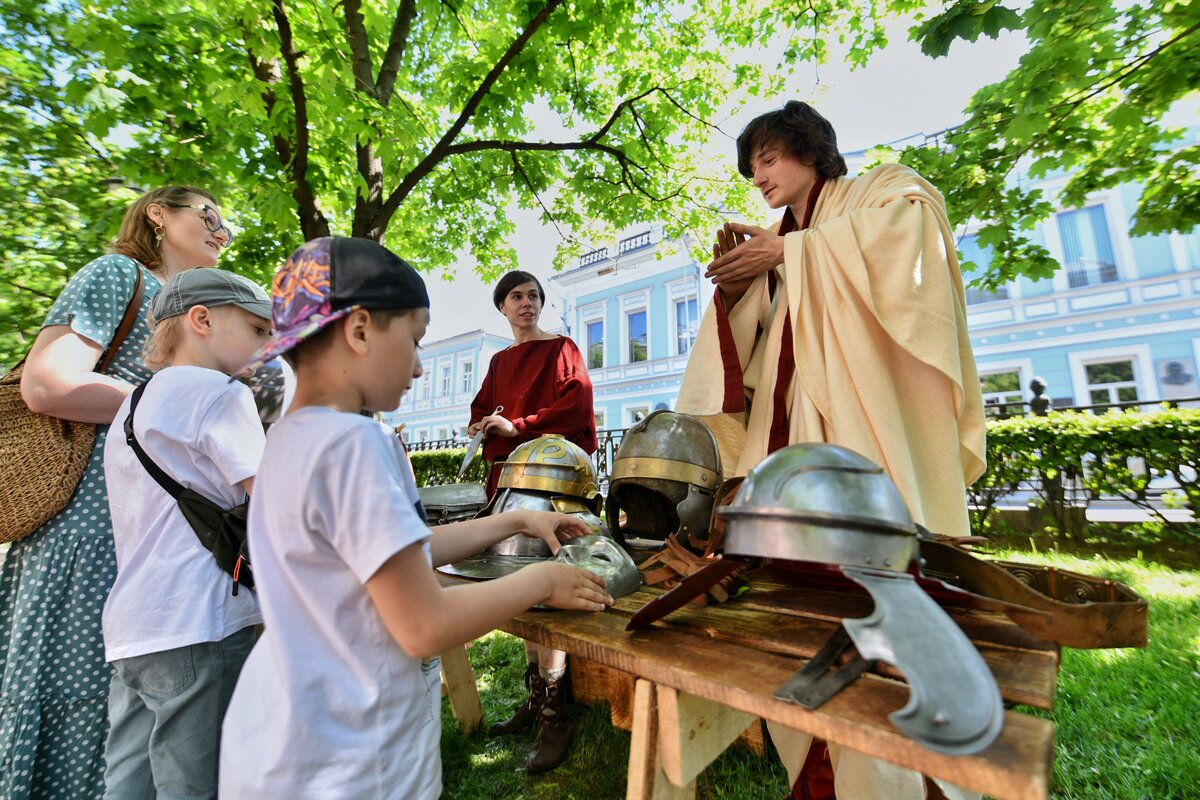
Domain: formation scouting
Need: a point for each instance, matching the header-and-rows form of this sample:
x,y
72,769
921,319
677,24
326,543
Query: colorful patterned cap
x,y
326,279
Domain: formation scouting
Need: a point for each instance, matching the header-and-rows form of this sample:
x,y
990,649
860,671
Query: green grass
x,y
1127,722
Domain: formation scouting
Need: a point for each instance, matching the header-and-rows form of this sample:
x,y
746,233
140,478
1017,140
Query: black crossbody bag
x,y
221,531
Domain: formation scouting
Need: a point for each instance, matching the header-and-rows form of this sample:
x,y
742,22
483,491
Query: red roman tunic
x,y
544,388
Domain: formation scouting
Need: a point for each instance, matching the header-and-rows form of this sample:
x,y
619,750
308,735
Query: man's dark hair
x,y
512,280
320,341
800,131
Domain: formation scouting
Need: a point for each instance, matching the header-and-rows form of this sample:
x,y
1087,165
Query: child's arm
x,y
458,540
248,486
426,619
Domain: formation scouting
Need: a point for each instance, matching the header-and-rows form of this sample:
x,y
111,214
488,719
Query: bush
x,y
436,467
1065,453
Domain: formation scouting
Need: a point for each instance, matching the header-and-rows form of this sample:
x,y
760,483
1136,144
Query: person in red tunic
x,y
540,380
542,383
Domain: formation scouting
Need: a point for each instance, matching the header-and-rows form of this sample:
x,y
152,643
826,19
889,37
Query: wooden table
x,y
704,673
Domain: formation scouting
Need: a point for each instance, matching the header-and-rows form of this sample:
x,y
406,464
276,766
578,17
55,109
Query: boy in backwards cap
x,y
341,696
175,634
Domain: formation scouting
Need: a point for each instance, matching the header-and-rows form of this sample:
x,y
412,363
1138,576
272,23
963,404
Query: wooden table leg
x,y
647,781
693,731
458,683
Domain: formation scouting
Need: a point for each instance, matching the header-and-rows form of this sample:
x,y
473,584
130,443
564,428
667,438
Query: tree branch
x,y
312,222
360,56
545,210
397,44
439,150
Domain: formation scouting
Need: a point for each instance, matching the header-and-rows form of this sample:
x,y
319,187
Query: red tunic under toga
x,y
544,388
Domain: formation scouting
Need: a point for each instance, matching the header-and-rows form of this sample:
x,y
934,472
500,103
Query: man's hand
x,y
740,254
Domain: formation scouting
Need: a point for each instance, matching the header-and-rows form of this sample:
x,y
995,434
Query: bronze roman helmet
x,y
664,476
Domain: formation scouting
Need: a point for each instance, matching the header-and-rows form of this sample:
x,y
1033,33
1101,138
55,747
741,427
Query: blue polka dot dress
x,y
53,678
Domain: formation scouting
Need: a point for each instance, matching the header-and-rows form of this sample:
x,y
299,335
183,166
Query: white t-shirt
x,y
204,432
328,705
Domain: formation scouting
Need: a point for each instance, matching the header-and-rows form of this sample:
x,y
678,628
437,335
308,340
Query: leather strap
x,y
131,313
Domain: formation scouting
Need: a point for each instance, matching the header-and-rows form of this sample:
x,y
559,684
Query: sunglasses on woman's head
x,y
212,218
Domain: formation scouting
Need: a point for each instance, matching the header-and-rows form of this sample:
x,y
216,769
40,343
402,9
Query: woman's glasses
x,y
212,219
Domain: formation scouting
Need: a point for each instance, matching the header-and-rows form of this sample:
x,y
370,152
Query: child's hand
x,y
552,527
571,588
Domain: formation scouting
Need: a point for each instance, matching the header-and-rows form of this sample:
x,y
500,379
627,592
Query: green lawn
x,y
1127,722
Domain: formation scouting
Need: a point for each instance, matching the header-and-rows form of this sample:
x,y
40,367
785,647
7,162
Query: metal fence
x,y
609,439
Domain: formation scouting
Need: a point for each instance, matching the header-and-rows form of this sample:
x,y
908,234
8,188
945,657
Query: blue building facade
x,y
437,406
1119,322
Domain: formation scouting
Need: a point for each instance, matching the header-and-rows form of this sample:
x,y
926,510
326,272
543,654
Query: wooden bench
x,y
693,683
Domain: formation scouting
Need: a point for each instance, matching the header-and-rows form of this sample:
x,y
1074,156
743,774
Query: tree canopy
x,y
1086,102
422,122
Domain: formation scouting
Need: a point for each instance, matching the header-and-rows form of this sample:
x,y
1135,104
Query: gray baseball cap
x,y
209,288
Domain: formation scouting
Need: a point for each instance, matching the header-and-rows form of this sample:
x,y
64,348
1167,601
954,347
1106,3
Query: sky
x,y
899,93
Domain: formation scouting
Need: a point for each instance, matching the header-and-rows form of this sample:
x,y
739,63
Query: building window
x,y
1087,248
466,382
637,414
686,322
444,386
637,336
1111,382
980,259
1001,393
426,388
443,433
599,420
595,344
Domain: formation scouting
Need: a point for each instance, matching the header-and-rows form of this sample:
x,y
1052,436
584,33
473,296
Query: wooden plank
x,y
692,732
1016,766
458,684
1024,676
701,652
646,780
592,682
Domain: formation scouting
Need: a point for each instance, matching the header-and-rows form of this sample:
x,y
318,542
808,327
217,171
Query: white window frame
x,y
1111,205
445,378
1024,369
587,315
466,375
627,410
680,291
632,304
1143,369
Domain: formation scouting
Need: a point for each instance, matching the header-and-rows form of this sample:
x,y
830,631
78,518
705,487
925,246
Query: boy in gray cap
x,y
175,634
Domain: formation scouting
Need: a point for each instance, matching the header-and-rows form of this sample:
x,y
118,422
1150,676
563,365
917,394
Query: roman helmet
x,y
664,476
549,473
824,504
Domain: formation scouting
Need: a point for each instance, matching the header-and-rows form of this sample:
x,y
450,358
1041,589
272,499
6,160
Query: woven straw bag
x,y
42,458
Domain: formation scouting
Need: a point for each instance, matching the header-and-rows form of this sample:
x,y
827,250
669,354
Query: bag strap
x,y
131,312
172,486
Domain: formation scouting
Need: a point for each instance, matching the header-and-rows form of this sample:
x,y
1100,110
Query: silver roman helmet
x,y
549,473
825,504
664,476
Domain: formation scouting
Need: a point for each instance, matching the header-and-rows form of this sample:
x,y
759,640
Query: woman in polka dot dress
x,y
53,678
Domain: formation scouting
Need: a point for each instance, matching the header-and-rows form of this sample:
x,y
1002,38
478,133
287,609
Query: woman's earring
x,y
158,234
